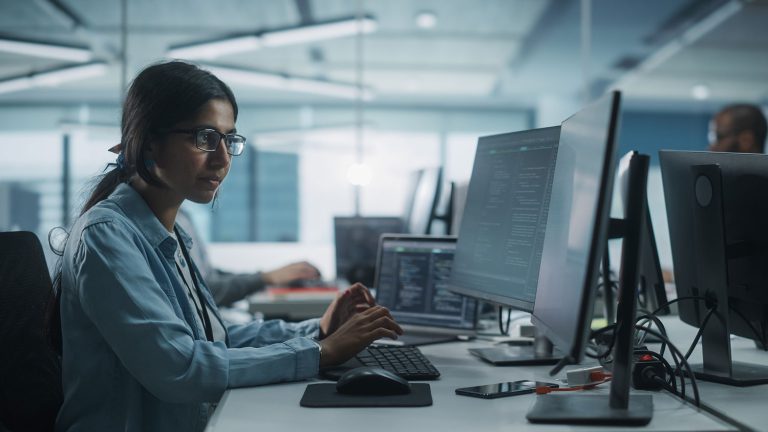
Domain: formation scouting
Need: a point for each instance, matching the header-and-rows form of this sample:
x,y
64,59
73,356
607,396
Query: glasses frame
x,y
195,131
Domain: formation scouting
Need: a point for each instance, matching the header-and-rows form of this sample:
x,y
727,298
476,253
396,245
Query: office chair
x,y
30,372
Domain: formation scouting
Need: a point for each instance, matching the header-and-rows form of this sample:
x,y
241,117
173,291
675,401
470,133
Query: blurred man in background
x,y
227,287
738,128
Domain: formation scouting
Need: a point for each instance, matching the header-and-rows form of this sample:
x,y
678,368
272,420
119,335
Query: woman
x,y
144,347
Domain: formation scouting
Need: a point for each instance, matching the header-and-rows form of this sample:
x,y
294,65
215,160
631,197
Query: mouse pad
x,y
325,396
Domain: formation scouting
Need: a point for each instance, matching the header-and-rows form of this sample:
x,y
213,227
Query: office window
x,y
325,190
277,197
89,155
257,202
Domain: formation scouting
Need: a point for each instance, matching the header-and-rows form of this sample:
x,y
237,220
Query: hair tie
x,y
120,161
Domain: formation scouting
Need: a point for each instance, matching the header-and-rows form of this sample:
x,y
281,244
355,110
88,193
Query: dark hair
x,y
161,96
748,117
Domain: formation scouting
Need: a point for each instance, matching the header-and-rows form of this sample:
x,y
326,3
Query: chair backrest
x,y
30,372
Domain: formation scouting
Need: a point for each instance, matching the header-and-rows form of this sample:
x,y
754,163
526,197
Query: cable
x,y
730,307
542,390
673,349
700,332
502,328
670,372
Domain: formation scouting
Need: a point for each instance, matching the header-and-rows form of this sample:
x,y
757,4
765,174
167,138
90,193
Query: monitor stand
x,y
540,353
618,407
718,365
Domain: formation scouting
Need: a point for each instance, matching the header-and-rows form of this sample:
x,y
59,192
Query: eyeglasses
x,y
207,139
715,136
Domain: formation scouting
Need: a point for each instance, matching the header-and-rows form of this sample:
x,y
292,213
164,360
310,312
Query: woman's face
x,y
188,172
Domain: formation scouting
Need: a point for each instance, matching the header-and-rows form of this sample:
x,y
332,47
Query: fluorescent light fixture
x,y
286,36
692,34
218,48
340,90
251,78
359,174
37,49
319,31
53,77
289,83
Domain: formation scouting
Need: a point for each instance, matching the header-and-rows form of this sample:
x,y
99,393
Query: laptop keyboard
x,y
406,361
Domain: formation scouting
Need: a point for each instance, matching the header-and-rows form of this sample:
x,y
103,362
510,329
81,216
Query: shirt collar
x,y
184,236
134,206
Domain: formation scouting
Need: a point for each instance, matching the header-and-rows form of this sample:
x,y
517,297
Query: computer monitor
x,y
423,200
357,242
458,202
412,275
717,208
651,292
577,230
502,228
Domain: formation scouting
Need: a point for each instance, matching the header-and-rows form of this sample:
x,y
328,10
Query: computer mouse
x,y
372,381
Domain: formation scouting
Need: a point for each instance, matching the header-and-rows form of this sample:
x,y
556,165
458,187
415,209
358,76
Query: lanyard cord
x,y
204,312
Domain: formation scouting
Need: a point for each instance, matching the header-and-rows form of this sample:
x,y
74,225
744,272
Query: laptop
x,y
411,280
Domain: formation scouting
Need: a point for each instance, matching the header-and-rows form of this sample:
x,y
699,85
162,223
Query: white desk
x,y
292,309
276,407
746,405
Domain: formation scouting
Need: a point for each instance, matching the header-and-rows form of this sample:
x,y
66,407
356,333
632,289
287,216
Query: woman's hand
x,y
357,333
352,301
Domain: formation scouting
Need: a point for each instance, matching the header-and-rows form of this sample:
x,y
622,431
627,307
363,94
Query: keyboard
x,y
406,361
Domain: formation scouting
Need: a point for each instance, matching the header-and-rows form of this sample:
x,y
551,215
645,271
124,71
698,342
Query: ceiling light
x,y
37,49
426,20
319,31
359,174
287,36
53,77
700,92
289,83
341,90
15,84
217,48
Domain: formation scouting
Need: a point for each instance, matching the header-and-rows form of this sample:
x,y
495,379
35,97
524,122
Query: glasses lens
x,y
235,144
208,140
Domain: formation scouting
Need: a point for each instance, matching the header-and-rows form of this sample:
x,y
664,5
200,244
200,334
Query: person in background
x,y
738,128
143,345
228,287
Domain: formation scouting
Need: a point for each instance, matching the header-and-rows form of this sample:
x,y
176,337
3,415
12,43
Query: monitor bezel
x,y
575,347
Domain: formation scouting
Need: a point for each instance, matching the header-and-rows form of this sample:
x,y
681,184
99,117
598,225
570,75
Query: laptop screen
x,y
412,277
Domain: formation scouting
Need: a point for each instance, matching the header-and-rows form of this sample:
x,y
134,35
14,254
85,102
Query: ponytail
x,y
161,96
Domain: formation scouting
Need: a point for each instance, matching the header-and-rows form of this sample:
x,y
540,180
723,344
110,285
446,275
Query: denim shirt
x,y
133,357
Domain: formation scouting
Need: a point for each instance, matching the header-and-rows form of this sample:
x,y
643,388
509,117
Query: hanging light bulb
x,y
359,174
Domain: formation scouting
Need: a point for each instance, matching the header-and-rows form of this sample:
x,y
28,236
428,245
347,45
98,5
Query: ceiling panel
x,y
489,51
731,60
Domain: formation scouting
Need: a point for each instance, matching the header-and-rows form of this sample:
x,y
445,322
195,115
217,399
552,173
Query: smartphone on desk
x,y
498,390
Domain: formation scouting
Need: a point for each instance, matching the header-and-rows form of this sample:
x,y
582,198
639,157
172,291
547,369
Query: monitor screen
x,y
357,242
412,281
577,225
505,216
423,199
